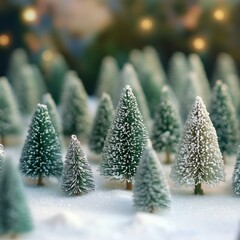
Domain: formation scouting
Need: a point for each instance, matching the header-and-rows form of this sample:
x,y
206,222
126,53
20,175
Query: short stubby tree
x,y
101,124
199,159
41,154
125,141
151,192
15,216
77,173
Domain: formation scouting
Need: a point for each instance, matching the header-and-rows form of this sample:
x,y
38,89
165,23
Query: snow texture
x,y
236,175
125,141
41,154
151,192
199,159
77,174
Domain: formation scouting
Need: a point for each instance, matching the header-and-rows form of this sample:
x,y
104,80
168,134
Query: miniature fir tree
x,y
41,154
109,79
125,141
129,77
199,159
101,124
166,126
151,192
75,113
52,110
10,121
236,175
1,156
15,217
223,116
77,174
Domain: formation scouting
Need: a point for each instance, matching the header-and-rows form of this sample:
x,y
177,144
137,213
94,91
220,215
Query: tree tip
x,y
40,105
74,137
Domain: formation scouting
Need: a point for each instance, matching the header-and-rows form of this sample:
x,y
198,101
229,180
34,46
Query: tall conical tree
x,y
41,154
236,175
101,124
199,159
166,126
52,110
151,192
125,141
77,174
10,122
75,112
109,79
15,217
223,115
1,156
129,77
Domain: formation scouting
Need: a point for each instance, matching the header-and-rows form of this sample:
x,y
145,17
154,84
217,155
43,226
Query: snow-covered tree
x,y
41,154
75,112
125,141
166,128
151,192
199,159
236,175
109,79
224,119
52,110
101,124
10,122
129,77
77,173
1,156
15,216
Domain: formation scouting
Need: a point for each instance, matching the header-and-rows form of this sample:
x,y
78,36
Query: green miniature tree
x,y
41,154
1,156
199,159
129,77
15,217
151,192
109,79
125,141
236,175
52,110
101,124
223,116
166,126
10,121
75,113
77,174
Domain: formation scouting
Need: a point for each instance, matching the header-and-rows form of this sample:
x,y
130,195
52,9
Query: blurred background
x,y
85,31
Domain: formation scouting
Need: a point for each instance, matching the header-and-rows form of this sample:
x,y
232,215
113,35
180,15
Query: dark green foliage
x,y
101,124
166,125
199,159
41,154
10,121
151,192
77,174
236,175
15,217
223,115
125,141
75,114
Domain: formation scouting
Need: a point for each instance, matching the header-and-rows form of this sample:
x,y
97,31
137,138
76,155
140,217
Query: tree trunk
x,y
198,189
152,210
3,140
13,236
40,180
168,158
129,185
224,159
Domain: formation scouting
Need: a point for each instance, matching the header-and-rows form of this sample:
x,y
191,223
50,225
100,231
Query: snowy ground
x,y
109,214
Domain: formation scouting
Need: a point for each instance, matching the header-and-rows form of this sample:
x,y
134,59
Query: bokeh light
x,y
29,15
47,55
146,24
199,43
219,14
4,40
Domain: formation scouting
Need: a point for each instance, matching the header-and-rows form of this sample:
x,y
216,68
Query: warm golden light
x,y
29,15
47,55
4,40
146,24
199,43
219,14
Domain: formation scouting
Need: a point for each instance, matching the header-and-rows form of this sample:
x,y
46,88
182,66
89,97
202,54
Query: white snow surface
x,y
109,214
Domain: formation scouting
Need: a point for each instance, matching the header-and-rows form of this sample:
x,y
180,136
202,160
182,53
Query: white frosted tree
x,y
125,141
101,124
77,174
236,175
151,192
199,159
